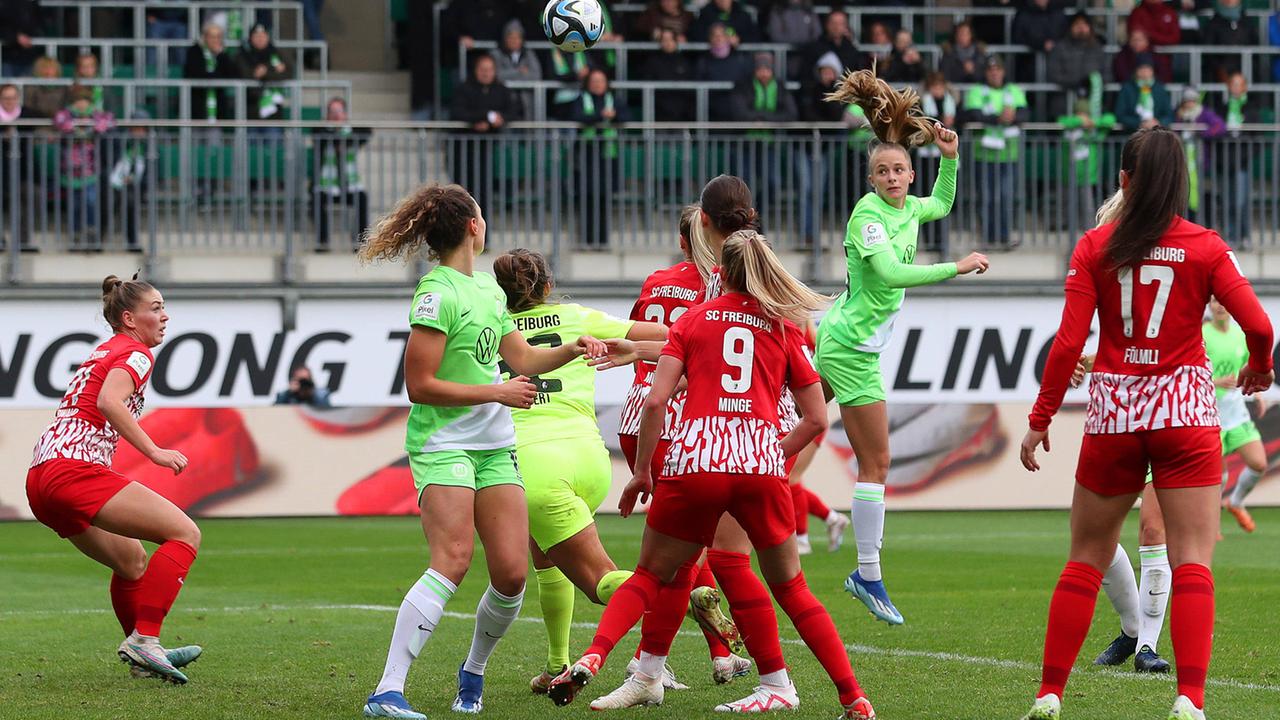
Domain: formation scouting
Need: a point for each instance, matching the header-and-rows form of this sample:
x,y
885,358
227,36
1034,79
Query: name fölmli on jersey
x,y
1142,356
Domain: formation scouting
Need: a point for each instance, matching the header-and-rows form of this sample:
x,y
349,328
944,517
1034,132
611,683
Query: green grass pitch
x,y
295,616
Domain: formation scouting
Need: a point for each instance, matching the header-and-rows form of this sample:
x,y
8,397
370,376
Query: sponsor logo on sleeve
x,y
139,362
1071,272
873,235
428,307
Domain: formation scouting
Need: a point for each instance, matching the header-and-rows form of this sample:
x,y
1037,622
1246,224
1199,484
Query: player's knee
x,y
188,533
1151,533
508,582
134,564
452,561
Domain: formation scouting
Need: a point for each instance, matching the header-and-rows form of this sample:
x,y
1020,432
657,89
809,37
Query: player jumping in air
x,y
460,439
1151,404
566,467
73,490
880,245
737,353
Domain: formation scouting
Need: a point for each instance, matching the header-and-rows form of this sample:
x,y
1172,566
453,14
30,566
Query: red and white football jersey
x,y
666,295
79,431
738,362
1151,371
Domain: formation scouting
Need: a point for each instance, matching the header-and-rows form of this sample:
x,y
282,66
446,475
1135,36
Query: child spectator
x,y
79,164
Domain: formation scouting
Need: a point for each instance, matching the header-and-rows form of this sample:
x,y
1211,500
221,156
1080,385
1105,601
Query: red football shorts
x,y
628,444
689,507
1178,458
67,494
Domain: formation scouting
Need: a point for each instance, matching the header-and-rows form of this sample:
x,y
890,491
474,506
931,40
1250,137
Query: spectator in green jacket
x,y
1001,107
1144,101
1084,129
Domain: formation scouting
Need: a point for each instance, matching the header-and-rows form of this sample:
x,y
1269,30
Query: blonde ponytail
x,y
749,265
894,115
1109,212
704,256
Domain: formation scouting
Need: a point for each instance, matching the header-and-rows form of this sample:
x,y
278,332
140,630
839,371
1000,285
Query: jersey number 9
x,y
740,353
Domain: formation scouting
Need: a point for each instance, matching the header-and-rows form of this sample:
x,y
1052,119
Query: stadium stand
x,y
236,160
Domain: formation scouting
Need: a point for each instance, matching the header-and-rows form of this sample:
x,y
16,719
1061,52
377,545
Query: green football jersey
x,y
1228,353
566,402
862,316
472,313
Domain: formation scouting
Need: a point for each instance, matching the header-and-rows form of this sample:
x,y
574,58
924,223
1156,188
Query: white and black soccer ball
x,y
573,25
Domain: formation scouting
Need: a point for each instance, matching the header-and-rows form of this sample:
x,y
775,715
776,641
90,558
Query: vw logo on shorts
x,y
459,470
486,346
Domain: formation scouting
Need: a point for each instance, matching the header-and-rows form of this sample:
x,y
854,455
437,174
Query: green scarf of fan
x,y
589,109
331,182
1193,173
210,94
1235,111
766,99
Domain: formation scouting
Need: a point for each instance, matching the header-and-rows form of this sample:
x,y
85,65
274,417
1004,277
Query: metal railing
x,y
289,188
195,10
172,98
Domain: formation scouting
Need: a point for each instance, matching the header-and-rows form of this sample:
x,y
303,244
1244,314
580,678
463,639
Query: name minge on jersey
x,y
735,405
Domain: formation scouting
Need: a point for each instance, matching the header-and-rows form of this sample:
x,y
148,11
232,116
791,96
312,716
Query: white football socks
x,y
868,527
494,615
1122,590
1154,591
420,612
1244,485
651,666
778,679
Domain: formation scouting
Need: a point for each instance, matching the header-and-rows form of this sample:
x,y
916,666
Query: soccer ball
x,y
573,25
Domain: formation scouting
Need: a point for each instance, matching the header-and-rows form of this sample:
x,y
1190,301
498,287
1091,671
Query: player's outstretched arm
x,y
529,360
115,392
648,331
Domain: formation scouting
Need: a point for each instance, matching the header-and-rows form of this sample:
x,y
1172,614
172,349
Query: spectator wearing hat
x,y
1084,128
1227,28
1001,107
1233,160
1143,101
1039,27
128,176
836,38
1076,57
1138,50
259,60
963,57
670,65
1158,20
813,168
1192,111
762,98
514,61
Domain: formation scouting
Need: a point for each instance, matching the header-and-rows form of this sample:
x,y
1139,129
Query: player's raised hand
x,y
172,459
1251,382
1032,440
946,140
591,347
619,352
640,487
517,392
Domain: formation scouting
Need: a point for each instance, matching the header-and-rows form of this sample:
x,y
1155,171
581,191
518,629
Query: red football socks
x,y
1191,628
715,645
817,508
124,600
624,610
160,585
1070,612
816,628
800,503
751,608
662,622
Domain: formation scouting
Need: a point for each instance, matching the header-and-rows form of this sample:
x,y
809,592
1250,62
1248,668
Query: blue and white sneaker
x,y
874,596
178,657
391,704
470,698
146,653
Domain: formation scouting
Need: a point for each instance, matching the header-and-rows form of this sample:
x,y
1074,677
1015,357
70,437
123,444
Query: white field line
x,y
855,648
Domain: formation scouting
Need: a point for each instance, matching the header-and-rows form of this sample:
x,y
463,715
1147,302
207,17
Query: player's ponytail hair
x,y
525,277
1156,168
894,115
703,255
120,296
433,215
747,264
1109,211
